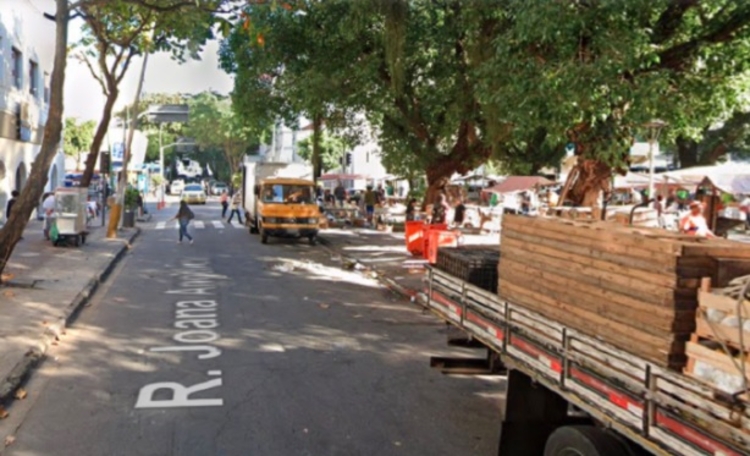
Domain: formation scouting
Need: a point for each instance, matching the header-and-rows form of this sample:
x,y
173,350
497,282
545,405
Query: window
x,y
17,66
287,193
46,87
33,78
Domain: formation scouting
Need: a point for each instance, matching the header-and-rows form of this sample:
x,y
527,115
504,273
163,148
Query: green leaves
x,y
78,136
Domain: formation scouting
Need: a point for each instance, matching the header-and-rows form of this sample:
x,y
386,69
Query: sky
x,y
84,98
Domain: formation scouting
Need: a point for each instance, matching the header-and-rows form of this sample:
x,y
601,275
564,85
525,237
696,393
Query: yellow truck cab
x,y
280,201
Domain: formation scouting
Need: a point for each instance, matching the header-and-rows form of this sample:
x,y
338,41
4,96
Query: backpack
x,y
190,215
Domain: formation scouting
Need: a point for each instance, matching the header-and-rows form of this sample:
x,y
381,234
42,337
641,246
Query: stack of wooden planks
x,y
635,288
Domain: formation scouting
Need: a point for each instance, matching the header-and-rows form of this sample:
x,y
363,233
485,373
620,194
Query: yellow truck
x,y
279,200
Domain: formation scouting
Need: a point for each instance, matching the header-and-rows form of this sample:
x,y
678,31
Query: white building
x,y
285,141
27,48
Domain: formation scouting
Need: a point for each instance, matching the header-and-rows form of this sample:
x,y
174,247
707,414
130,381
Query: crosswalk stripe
x,y
198,224
238,225
161,225
217,224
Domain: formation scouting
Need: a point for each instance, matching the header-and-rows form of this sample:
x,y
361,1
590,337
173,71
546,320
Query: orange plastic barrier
x,y
426,229
437,239
414,235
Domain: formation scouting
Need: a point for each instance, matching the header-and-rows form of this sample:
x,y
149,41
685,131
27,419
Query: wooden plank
x,y
726,304
541,231
581,296
663,352
737,250
603,231
589,252
727,269
716,331
665,279
661,296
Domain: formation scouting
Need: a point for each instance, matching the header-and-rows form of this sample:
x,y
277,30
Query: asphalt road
x,y
299,358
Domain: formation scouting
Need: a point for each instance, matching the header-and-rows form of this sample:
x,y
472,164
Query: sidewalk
x,y
384,255
44,288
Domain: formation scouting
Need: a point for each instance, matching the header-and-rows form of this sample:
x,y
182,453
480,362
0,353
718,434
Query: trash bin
x,y
128,219
414,237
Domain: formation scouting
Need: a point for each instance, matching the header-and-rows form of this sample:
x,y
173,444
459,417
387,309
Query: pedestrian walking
x,y
184,216
224,199
48,206
340,193
236,204
13,198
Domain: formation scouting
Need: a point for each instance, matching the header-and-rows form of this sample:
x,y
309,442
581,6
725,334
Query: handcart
x,y
70,216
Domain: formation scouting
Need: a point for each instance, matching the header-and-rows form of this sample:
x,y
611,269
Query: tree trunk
x,y
32,191
438,176
586,182
316,159
101,132
687,152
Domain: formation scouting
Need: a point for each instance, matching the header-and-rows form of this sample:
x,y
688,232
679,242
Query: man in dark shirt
x,y
14,197
459,213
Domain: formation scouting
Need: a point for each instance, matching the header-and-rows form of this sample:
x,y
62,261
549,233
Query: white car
x,y
177,186
194,194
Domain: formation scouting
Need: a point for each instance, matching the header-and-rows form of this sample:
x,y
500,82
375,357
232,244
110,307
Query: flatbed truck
x,y
569,394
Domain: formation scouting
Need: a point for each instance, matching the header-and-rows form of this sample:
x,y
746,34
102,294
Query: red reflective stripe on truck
x,y
614,396
541,355
698,439
437,296
471,316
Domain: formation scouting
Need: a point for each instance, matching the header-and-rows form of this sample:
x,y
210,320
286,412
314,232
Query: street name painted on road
x,y
198,319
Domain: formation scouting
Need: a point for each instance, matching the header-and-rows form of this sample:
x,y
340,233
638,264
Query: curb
x,y
53,331
389,283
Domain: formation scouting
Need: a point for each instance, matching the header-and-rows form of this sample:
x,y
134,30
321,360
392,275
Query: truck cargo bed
x,y
664,411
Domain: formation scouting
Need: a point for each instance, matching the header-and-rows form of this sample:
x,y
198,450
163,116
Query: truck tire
x,y
585,441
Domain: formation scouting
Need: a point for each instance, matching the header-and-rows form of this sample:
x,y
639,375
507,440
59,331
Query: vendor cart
x,y
70,216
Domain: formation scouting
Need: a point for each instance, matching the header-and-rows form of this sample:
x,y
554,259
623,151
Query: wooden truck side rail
x,y
665,412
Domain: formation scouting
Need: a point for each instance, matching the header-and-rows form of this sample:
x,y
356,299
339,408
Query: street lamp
x,y
654,127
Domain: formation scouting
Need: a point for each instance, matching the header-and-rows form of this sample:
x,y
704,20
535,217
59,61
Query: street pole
x,y
651,168
116,214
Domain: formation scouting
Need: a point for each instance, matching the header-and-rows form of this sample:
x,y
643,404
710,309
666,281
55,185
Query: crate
x,y
476,265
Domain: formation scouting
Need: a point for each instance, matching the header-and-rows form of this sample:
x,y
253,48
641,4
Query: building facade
x,y
27,48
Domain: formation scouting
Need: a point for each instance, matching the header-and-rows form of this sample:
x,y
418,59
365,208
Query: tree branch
x,y
94,73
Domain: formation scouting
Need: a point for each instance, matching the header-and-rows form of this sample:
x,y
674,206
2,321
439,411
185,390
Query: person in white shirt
x,y
695,223
48,206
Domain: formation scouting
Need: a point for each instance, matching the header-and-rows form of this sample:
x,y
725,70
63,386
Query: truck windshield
x,y
286,193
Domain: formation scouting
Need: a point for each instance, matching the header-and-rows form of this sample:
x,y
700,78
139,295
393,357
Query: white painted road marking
x,y
198,224
217,224
161,225
238,225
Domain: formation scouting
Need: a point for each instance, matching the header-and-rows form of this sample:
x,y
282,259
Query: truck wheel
x,y
263,236
313,240
585,441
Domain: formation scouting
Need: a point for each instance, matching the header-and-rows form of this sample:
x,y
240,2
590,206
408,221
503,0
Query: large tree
x,y
593,73
411,67
215,125
115,32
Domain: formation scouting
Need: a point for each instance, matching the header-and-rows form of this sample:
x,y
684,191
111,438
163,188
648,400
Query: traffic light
x,y
348,158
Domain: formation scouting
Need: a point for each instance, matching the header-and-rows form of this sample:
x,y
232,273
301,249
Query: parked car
x,y
194,194
218,188
177,186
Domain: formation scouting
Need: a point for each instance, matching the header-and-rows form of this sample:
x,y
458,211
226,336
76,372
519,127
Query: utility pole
x,y
116,214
